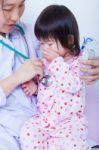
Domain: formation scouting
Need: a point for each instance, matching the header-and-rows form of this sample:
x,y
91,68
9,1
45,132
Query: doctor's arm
x,y
26,72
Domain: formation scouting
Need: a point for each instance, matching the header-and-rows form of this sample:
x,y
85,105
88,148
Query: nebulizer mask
x,y
89,50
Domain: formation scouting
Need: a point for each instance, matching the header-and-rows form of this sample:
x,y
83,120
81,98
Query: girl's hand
x,y
29,88
50,55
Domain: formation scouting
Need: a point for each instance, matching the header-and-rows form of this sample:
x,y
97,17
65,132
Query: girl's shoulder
x,y
73,60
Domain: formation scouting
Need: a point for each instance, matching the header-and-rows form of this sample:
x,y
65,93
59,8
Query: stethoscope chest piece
x,y
47,80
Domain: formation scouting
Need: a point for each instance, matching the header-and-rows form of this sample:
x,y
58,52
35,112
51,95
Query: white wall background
x,y
86,12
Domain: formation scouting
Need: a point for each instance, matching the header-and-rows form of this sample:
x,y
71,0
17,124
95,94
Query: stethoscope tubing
x,y
13,49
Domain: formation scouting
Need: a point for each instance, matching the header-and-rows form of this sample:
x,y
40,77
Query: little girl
x,y
60,123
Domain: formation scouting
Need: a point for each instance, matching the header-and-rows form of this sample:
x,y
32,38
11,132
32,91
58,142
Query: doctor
x,y
15,106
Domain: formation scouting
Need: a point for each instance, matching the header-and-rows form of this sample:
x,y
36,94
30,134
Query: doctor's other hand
x,y
28,70
92,72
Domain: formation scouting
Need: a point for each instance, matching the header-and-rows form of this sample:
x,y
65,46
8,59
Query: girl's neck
x,y
68,56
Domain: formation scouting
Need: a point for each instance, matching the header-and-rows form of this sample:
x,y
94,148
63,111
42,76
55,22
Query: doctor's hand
x,y
93,71
29,70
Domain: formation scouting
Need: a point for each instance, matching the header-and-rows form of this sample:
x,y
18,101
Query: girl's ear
x,y
70,39
71,44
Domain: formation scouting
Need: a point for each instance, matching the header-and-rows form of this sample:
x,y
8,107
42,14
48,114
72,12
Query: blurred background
x,y
86,12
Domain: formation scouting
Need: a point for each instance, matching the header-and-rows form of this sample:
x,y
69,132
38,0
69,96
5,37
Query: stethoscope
x,y
46,80
21,31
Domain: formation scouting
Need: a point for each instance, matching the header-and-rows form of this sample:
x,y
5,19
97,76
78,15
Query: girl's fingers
x,y
27,93
52,54
25,90
24,85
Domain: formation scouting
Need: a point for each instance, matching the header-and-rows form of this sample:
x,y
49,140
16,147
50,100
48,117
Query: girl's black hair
x,y
58,22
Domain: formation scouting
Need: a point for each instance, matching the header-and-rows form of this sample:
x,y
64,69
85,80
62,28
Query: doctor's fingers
x,y
36,62
91,82
92,62
90,78
38,71
92,71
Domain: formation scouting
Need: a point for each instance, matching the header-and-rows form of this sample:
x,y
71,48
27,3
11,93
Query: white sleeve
x,y
33,40
67,77
2,97
6,61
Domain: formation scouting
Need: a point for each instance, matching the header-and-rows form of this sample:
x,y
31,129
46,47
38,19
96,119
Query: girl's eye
x,y
41,43
50,44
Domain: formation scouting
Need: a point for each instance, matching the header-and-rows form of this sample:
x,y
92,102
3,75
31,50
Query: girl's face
x,y
11,12
51,49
